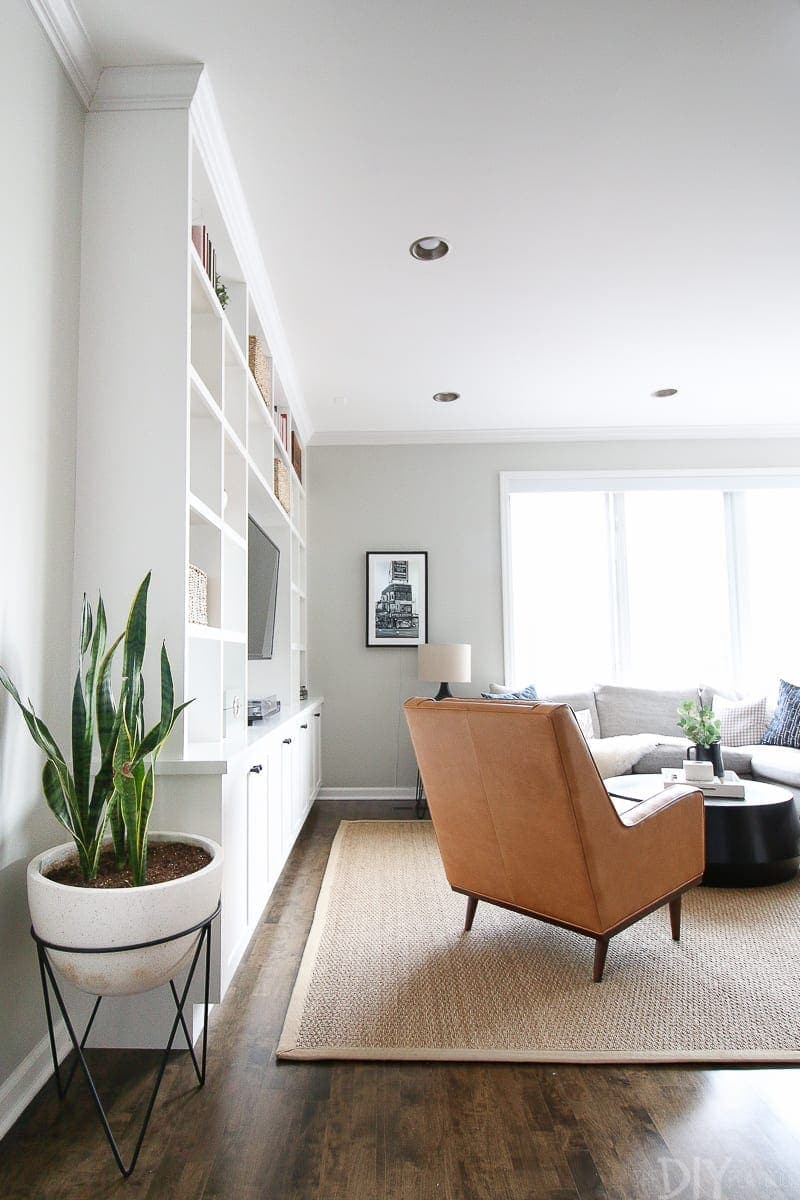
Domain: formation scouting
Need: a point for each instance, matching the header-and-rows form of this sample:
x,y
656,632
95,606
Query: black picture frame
x,y
396,602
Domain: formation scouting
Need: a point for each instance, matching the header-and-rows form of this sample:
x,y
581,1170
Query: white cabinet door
x,y
272,765
288,759
305,745
316,752
258,848
234,871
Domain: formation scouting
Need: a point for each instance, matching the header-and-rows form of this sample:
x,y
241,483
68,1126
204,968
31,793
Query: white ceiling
x,y
619,181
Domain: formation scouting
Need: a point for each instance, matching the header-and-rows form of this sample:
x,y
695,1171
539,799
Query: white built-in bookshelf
x,y
177,445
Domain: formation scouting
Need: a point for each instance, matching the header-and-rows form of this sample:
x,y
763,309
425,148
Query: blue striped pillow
x,y
784,728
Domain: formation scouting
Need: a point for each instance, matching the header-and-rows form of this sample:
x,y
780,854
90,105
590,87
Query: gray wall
x,y
41,145
443,499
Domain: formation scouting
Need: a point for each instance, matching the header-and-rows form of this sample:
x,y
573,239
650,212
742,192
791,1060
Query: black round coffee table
x,y
749,843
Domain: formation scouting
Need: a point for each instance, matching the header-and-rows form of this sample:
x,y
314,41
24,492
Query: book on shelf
x,y
206,252
297,456
283,428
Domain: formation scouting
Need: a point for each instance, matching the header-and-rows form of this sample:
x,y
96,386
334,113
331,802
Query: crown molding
x,y
617,433
218,160
67,34
172,85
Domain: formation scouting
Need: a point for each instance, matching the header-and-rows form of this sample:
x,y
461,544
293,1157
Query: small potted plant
x,y
115,884
704,730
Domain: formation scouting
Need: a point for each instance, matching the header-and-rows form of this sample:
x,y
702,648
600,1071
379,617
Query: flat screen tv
x,y
263,557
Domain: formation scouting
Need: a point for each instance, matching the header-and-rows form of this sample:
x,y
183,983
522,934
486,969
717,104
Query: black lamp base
x,y
444,692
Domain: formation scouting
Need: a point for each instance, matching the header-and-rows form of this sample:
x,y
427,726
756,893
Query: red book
x,y
198,233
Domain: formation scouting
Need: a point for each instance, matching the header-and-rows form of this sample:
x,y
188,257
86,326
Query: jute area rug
x,y
388,972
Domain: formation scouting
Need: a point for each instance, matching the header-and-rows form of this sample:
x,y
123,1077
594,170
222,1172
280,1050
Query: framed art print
x,y
397,597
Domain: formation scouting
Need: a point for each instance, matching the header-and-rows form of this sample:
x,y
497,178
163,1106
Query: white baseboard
x,y
367,793
26,1080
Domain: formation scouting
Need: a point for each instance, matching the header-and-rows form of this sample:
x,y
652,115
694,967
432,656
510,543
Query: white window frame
x,y
730,481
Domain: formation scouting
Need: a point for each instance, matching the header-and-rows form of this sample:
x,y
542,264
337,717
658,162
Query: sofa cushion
x,y
579,702
784,728
743,722
738,759
638,710
776,764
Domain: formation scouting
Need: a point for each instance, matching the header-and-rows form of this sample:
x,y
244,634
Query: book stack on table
x,y
729,787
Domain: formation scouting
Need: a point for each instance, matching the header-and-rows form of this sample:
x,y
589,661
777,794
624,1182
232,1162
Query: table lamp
x,y
446,663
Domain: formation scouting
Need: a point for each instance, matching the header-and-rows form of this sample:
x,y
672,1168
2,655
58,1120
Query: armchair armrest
x,y
662,800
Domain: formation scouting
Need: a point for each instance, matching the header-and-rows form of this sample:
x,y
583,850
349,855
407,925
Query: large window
x,y
664,581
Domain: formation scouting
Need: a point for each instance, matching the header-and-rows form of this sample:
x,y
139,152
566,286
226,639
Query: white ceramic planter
x,y
91,917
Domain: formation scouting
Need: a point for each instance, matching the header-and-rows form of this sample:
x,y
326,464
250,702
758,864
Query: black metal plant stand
x,y
48,976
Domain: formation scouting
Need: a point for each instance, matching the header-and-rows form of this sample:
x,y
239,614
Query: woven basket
x,y
282,488
196,595
261,366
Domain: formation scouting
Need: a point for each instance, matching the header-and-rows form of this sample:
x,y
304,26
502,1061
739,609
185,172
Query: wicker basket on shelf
x,y
282,487
261,367
196,595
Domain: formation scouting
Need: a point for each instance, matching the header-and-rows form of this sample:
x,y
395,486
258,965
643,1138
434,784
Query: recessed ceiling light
x,y
662,393
426,249
339,401
446,397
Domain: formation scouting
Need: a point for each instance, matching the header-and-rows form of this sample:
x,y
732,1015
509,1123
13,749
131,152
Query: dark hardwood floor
x,y
387,1131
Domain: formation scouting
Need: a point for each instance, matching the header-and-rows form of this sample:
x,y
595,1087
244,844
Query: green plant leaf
x,y
57,802
86,625
81,749
133,656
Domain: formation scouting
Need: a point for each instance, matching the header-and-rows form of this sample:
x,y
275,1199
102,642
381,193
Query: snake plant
x,y
137,748
121,793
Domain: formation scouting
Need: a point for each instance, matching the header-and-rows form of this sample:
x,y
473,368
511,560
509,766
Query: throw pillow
x,y
784,728
744,722
584,718
527,693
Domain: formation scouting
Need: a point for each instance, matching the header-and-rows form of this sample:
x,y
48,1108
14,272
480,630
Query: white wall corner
x,y
219,163
29,1077
68,36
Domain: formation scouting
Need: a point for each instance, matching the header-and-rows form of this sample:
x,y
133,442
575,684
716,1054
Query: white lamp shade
x,y
445,663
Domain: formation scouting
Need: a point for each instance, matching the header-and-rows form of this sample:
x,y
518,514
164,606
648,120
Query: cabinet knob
x,y
318,715
257,769
287,741
304,726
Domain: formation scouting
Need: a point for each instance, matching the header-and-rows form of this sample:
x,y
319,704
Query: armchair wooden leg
x,y
600,950
675,917
472,904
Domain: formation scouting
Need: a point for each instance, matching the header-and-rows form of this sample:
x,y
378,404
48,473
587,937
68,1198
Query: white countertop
x,y
214,758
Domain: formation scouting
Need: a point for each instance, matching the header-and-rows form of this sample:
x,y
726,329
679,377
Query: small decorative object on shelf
x,y
297,456
303,692
261,367
196,595
232,712
222,292
284,427
282,488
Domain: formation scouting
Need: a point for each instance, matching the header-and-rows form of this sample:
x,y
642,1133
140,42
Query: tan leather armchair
x,y
523,820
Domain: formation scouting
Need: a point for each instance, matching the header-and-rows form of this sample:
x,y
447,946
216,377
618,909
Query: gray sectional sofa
x,y
619,710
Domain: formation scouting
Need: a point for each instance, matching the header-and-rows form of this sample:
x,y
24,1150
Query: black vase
x,y
712,754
